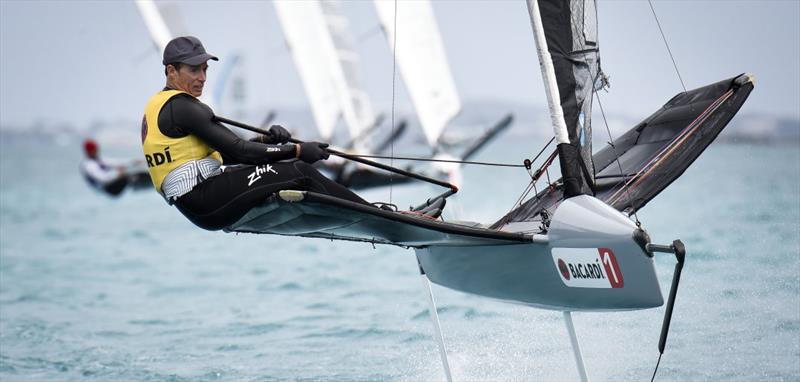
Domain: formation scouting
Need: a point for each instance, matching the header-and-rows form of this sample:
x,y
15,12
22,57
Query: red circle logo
x,y
144,128
562,266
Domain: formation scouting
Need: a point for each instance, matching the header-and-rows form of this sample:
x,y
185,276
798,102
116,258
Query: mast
x,y
577,66
548,74
565,32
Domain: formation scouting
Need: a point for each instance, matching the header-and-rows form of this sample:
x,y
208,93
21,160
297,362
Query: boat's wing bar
x,y
654,153
399,129
309,214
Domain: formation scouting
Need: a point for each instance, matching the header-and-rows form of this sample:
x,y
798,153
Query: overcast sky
x,y
79,61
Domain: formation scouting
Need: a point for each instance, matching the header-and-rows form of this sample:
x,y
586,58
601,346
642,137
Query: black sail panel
x,y
570,28
655,152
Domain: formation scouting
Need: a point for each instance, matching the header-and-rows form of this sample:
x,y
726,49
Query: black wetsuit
x,y
221,200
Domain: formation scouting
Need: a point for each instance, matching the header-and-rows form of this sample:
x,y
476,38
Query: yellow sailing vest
x,y
162,153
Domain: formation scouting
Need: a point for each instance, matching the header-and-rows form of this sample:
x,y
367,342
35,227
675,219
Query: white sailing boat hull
x,y
589,260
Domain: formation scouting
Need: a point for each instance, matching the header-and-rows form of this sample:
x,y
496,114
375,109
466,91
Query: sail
x,y
422,61
570,31
159,32
322,47
164,23
306,34
162,20
654,152
354,100
225,77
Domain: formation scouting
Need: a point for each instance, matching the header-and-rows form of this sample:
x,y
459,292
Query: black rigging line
x,y
534,177
616,155
346,156
438,160
543,148
394,74
667,44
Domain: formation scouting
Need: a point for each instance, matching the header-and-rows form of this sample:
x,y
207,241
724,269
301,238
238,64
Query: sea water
x,y
94,288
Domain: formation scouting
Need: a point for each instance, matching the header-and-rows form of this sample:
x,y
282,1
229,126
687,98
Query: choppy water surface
x,y
98,289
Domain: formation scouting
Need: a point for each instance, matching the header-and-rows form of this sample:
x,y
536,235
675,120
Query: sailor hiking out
x,y
185,148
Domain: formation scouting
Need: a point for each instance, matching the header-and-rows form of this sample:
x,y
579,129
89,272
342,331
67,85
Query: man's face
x,y
189,78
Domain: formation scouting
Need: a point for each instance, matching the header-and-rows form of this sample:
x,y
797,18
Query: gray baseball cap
x,y
187,50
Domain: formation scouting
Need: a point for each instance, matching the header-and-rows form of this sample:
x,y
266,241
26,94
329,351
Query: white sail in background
x,y
164,23
355,102
422,61
162,20
306,33
159,32
321,46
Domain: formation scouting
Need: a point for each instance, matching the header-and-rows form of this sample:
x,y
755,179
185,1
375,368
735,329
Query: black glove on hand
x,y
278,134
311,152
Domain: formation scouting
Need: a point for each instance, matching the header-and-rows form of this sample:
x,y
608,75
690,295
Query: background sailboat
x,y
303,28
419,51
321,45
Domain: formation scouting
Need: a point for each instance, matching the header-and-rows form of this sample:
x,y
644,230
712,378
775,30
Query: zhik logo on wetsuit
x,y
588,267
256,174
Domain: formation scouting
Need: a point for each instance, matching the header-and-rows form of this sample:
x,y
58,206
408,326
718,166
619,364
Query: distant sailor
x,y
110,176
185,148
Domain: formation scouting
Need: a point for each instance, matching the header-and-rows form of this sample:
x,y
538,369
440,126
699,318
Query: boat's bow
x,y
599,264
